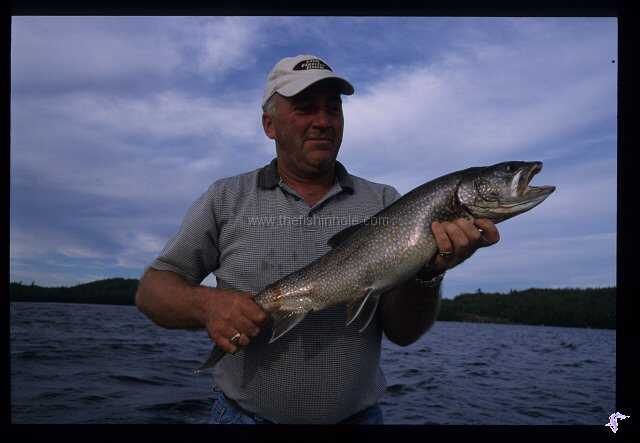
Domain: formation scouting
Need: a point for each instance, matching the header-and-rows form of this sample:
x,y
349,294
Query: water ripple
x,y
125,369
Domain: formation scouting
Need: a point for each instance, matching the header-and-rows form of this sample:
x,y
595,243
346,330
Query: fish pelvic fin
x,y
365,307
216,354
284,321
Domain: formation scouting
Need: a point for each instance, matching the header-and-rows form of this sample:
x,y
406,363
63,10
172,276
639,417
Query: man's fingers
x,y
442,239
469,229
253,312
231,346
246,326
244,340
490,234
459,240
222,337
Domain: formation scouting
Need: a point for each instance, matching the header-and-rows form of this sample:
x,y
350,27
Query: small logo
x,y
613,421
313,63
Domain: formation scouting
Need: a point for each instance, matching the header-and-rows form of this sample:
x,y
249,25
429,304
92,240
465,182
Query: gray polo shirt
x,y
251,230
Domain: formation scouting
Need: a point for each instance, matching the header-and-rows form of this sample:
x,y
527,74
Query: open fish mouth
x,y
522,192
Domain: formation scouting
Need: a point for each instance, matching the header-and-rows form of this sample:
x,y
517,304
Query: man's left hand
x,y
461,238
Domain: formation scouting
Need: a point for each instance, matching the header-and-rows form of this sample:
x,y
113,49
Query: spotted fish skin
x,y
386,250
393,245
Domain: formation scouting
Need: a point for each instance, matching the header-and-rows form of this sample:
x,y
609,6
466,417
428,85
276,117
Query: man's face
x,y
307,128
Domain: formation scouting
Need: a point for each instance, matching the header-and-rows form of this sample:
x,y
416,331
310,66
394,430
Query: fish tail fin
x,y
216,354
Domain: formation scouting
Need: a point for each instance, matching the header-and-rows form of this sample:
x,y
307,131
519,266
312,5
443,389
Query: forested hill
x,y
113,291
595,308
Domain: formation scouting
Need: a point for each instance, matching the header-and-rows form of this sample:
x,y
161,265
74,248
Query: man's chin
x,y
323,160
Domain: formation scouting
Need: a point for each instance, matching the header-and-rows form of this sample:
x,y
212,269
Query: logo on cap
x,y
313,63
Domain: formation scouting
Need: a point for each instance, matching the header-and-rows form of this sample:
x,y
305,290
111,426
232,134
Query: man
x,y
254,228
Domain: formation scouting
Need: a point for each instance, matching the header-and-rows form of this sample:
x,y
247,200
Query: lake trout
x,y
369,259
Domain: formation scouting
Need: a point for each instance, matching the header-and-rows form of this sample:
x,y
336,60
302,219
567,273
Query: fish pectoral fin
x,y
366,307
284,321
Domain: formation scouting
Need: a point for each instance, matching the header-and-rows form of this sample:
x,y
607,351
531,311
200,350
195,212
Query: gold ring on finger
x,y
235,339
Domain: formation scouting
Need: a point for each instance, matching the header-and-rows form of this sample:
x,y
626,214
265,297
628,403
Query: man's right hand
x,y
227,312
172,302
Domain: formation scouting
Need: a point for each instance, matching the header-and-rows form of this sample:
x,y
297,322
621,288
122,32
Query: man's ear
x,y
267,125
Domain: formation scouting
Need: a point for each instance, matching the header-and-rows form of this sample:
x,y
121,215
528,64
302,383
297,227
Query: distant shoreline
x,y
113,291
569,307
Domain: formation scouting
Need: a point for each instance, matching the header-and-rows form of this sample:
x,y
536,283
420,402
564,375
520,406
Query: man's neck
x,y
311,188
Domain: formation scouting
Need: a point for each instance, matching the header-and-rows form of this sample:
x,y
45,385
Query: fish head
x,y
501,191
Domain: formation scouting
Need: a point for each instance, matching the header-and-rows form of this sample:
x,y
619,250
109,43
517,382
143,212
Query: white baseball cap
x,y
291,75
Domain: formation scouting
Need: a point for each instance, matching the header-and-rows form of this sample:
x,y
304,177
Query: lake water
x,y
74,363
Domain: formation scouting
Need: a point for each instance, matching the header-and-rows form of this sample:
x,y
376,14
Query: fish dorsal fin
x,y
283,322
365,307
343,235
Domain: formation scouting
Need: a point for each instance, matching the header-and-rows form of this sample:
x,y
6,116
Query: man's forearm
x,y
170,301
408,311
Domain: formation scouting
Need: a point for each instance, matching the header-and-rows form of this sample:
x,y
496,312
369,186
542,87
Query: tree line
x,y
591,307
112,291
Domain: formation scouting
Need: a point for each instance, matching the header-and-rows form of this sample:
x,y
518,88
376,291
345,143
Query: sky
x,y
119,123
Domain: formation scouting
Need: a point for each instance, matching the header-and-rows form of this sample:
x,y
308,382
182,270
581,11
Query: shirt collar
x,y
268,176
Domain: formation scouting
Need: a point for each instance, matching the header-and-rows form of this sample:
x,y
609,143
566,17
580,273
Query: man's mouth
x,y
322,143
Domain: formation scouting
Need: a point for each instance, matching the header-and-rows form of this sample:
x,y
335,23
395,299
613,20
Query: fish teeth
x,y
514,183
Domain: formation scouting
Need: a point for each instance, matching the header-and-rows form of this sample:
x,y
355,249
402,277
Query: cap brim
x,y
300,85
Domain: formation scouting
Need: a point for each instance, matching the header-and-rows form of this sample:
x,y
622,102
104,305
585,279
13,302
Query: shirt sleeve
x,y
193,251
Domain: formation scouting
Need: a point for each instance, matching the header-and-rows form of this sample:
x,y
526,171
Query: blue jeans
x,y
224,413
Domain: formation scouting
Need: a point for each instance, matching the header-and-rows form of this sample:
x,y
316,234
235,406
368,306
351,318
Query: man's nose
x,y
321,119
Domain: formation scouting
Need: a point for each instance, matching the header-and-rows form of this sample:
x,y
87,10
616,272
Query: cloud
x,y
57,52
109,53
586,193
538,261
161,115
140,248
227,44
483,102
132,144
119,123
106,245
